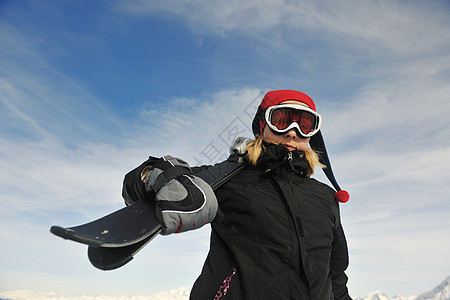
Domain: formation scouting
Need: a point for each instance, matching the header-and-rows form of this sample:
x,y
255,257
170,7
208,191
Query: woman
x,y
280,236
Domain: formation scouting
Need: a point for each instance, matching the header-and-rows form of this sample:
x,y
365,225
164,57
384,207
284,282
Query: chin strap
x,y
317,144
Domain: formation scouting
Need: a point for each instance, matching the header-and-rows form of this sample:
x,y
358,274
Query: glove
x,y
133,189
183,201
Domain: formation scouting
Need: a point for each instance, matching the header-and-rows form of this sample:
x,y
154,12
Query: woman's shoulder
x,y
317,191
319,184
249,177
249,174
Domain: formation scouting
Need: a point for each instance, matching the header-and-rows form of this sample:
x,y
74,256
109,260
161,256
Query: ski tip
x,y
70,234
108,259
67,234
59,231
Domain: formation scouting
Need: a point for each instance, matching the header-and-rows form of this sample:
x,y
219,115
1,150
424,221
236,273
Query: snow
x,y
178,294
379,295
441,292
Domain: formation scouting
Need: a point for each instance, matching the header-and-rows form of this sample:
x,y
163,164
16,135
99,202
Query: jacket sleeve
x,y
198,169
339,262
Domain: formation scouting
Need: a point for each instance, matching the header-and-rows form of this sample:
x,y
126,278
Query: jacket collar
x,y
278,161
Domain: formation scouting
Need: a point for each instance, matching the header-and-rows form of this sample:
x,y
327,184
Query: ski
x,y
107,259
114,239
121,228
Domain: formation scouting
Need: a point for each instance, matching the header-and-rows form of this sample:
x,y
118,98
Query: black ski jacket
x,y
279,236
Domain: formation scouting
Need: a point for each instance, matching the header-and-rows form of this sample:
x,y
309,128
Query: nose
x,y
292,134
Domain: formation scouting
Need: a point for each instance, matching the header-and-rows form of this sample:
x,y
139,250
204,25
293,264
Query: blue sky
x,y
89,89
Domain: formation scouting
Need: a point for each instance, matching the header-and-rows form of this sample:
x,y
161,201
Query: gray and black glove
x,y
183,201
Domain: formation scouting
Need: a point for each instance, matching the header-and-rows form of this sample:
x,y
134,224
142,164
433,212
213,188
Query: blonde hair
x,y
255,148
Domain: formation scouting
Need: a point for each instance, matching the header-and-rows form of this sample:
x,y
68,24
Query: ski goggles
x,y
285,117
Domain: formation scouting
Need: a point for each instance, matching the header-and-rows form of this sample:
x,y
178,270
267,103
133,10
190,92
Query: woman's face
x,y
292,140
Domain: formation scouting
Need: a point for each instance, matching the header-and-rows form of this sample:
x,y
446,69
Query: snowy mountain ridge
x,y
178,294
441,292
379,295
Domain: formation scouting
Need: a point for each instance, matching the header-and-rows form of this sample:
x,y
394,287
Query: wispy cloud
x,y
41,102
392,25
194,123
392,154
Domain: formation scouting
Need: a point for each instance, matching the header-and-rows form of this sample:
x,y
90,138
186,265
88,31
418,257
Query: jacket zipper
x,y
290,155
291,161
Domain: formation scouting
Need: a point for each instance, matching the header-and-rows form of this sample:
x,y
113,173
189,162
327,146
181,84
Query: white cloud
x,y
393,25
196,123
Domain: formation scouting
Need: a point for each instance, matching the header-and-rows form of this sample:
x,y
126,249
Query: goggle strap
x,y
258,123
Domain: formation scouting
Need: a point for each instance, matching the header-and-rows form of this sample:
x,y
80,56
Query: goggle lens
x,y
284,117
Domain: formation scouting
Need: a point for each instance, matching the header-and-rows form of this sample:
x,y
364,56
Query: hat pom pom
x,y
342,196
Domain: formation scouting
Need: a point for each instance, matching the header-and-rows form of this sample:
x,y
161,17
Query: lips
x,y
289,147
